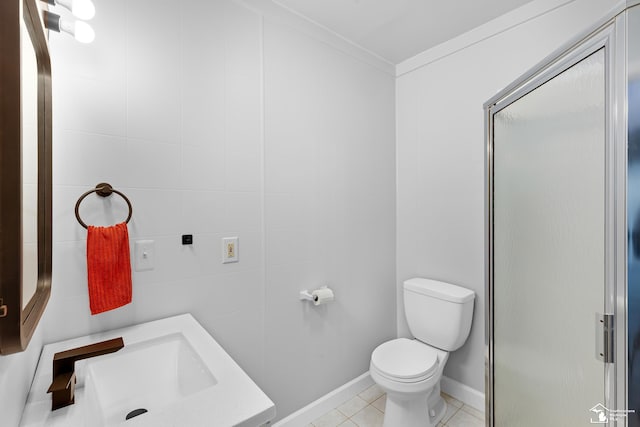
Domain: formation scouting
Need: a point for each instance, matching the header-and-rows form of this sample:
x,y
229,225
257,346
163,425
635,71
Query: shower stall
x,y
563,235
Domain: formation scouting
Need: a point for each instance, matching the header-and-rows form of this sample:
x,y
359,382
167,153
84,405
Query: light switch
x,y
145,255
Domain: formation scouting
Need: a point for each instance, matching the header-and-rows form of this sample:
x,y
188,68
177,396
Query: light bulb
x,y
84,32
82,9
78,29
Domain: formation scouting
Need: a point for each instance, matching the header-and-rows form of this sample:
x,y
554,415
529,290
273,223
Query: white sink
x,y
149,375
170,368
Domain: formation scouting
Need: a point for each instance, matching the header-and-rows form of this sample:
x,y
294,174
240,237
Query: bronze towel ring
x,y
103,190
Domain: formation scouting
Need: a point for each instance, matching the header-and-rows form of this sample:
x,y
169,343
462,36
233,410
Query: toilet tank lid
x,y
440,290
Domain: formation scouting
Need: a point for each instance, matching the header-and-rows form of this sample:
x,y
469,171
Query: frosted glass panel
x,y
549,199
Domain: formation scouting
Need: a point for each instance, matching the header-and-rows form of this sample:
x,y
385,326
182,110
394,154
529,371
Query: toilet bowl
x,y
409,370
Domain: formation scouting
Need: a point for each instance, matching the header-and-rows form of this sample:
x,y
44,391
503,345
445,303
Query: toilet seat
x,y
405,360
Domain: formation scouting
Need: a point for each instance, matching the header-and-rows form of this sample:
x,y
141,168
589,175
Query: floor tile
x,y
451,411
473,411
372,393
380,403
350,407
330,419
464,419
367,410
368,417
451,400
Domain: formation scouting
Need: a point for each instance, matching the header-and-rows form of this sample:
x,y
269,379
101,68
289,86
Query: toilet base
x,y
414,410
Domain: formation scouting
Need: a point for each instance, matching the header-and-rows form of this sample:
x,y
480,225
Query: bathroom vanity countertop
x,y
230,398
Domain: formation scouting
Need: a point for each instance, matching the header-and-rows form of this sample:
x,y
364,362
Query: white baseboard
x,y
464,393
326,403
332,400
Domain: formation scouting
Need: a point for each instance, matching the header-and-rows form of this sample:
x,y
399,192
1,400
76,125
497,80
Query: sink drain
x,y
135,413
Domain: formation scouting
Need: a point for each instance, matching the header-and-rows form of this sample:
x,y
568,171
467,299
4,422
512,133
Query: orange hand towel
x,y
108,267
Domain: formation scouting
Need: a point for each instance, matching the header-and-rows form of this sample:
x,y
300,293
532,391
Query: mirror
x,y
25,178
29,107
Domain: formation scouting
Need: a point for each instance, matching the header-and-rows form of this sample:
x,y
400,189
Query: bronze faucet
x,y
64,376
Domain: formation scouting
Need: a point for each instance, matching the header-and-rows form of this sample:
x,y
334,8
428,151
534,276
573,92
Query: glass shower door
x,y
548,258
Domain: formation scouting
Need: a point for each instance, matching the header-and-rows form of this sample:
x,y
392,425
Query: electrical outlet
x,y
229,250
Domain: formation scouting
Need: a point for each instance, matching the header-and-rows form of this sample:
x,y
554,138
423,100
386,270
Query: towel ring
x,y
103,190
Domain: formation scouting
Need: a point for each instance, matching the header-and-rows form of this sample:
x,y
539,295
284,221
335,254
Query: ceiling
x,y
399,29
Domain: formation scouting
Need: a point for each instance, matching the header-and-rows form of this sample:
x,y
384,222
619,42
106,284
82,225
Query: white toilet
x,y
409,370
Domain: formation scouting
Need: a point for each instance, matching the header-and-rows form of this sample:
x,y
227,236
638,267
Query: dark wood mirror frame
x,y
17,324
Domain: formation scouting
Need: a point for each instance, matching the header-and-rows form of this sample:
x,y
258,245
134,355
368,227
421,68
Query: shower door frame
x,y
610,34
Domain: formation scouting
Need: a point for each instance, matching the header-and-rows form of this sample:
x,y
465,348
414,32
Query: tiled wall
x,y
219,121
167,110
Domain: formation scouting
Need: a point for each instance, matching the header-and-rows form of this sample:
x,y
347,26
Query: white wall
x,y
217,119
330,214
16,373
440,150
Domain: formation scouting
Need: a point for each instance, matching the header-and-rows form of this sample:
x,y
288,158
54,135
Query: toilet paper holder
x,y
315,298
306,295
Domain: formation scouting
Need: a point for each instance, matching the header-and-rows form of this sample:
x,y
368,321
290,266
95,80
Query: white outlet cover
x,y
226,241
145,255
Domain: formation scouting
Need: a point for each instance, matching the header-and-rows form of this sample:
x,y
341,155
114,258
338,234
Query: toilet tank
x,y
438,313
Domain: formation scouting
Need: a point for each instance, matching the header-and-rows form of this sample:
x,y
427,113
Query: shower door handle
x,y
605,337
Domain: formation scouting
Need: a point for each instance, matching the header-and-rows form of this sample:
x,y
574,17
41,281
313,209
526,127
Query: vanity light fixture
x,y
80,30
81,9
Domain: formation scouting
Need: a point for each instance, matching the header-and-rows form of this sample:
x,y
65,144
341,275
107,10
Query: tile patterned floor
x,y
367,410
